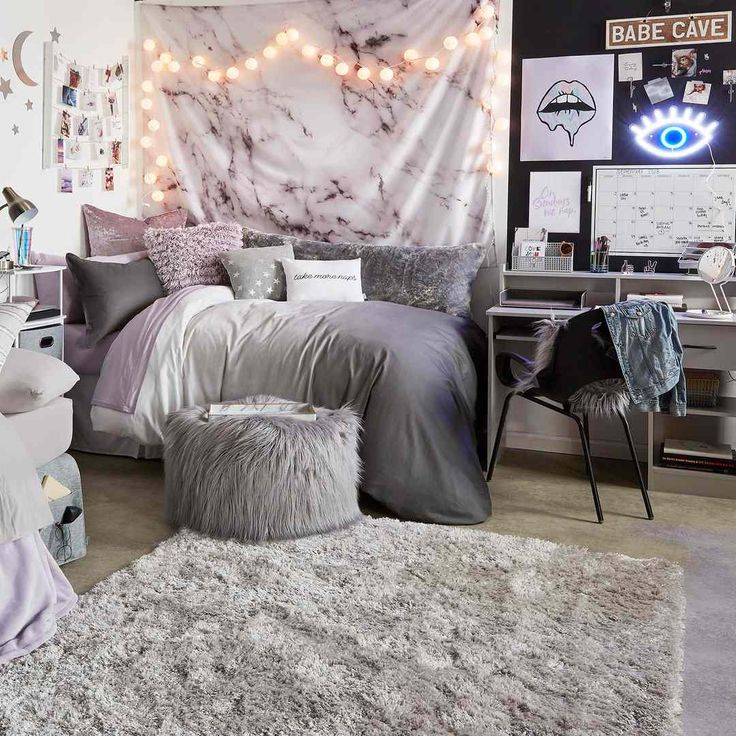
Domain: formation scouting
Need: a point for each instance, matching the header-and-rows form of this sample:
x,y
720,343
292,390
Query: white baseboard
x,y
571,445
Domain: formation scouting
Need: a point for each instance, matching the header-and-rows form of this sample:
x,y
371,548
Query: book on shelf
x,y
697,449
291,409
674,300
698,462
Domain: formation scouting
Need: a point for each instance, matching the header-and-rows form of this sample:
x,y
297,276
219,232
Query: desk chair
x,y
575,373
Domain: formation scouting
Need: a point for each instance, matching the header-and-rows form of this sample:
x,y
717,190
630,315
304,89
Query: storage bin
x,y
703,388
48,340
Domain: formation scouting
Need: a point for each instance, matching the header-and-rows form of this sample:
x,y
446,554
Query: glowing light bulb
x,y
146,141
502,124
486,33
327,59
150,178
503,80
232,72
146,103
149,44
487,12
174,66
251,64
450,43
198,62
157,195
270,52
364,73
411,55
282,39
166,58
487,148
432,64
161,161
342,69
153,125
292,34
386,74
157,66
214,75
472,39
309,52
147,85
489,167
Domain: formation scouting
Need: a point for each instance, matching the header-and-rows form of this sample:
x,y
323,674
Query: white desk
x,y
707,345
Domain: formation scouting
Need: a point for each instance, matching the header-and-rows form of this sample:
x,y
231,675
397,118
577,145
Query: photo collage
x,y
89,125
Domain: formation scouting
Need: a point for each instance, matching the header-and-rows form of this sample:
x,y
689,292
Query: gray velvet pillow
x,y
436,278
113,293
258,273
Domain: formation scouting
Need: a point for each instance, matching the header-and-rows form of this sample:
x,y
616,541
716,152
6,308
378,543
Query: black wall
x,y
577,27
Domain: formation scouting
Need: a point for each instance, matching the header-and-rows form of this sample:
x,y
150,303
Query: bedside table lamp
x,y
21,212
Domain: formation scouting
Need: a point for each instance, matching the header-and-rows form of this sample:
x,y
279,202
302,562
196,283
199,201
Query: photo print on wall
x,y
567,108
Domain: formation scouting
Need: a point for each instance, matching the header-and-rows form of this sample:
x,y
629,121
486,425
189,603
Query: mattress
x,y
46,432
84,360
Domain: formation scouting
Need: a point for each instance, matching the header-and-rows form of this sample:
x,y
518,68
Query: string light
x,y
174,66
487,148
282,39
153,125
149,44
485,33
214,75
503,80
411,55
270,52
251,64
342,69
432,64
147,85
162,161
472,39
327,59
198,62
157,66
364,73
146,103
292,34
146,141
157,195
232,72
386,74
502,124
309,52
166,58
150,177
450,43
487,12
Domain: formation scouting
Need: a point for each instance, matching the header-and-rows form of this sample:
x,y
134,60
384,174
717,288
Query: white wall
x,y
93,32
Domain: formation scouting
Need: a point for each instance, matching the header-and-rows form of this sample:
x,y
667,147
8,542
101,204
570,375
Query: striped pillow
x,y
12,318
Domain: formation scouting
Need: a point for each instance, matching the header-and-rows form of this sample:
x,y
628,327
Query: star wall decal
x,y
3,54
29,105
5,88
55,35
15,130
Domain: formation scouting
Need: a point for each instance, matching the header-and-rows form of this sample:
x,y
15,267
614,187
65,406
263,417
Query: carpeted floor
x,y
383,628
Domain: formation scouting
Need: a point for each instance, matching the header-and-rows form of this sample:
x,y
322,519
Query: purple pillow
x,y
191,256
111,235
47,284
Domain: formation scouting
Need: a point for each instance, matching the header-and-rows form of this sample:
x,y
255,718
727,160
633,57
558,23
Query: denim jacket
x,y
649,351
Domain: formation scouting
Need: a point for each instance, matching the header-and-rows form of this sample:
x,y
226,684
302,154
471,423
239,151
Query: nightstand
x,y
40,335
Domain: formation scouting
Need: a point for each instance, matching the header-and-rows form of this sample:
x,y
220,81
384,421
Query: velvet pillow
x,y
110,234
258,274
47,284
29,380
113,293
191,256
429,277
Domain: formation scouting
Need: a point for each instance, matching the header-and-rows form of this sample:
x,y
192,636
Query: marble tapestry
x,y
293,148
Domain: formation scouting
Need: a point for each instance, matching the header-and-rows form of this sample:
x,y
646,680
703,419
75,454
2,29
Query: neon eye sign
x,y
676,135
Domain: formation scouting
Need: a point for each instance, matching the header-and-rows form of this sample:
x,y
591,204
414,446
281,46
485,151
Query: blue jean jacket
x,y
649,351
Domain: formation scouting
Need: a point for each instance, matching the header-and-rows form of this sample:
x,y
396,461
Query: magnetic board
x,y
657,211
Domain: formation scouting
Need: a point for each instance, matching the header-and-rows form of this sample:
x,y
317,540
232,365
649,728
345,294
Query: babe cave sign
x,y
567,108
669,30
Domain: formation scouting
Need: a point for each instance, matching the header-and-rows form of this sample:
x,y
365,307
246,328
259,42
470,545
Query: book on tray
x,y
696,455
290,409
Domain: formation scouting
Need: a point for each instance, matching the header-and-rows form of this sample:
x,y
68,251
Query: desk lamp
x,y
21,212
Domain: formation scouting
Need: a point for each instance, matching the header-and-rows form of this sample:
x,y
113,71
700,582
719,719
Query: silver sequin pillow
x,y
257,273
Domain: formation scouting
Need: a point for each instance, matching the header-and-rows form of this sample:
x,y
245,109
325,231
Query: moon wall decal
x,y
18,60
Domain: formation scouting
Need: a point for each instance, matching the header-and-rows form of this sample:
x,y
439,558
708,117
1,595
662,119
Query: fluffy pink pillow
x,y
47,284
191,256
110,234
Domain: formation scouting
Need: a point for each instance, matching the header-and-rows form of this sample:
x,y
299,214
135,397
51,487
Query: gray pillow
x,y
29,380
258,274
113,293
437,278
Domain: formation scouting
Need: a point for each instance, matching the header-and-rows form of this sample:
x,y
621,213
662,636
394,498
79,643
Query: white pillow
x,y
323,281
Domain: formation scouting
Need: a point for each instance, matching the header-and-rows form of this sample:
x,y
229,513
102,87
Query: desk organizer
x,y
553,261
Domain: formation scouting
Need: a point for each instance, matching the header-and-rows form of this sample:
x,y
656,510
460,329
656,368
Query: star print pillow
x,y
257,273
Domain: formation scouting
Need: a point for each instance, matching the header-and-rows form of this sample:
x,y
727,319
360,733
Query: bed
x,y
414,375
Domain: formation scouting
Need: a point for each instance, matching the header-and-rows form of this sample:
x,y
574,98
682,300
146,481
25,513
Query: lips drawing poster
x,y
567,108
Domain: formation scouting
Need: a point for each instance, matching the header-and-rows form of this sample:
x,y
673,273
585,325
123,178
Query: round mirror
x,y
716,265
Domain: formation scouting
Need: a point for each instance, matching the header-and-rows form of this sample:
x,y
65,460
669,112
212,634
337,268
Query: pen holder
x,y
599,256
22,240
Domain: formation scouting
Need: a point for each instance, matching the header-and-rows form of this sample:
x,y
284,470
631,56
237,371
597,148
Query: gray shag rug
x,y
382,628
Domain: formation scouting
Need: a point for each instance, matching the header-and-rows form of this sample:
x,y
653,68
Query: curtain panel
x,y
292,147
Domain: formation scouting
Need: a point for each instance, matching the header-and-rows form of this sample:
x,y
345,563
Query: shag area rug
x,y
382,628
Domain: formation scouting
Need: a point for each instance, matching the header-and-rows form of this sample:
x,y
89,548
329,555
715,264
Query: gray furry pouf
x,y
261,478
